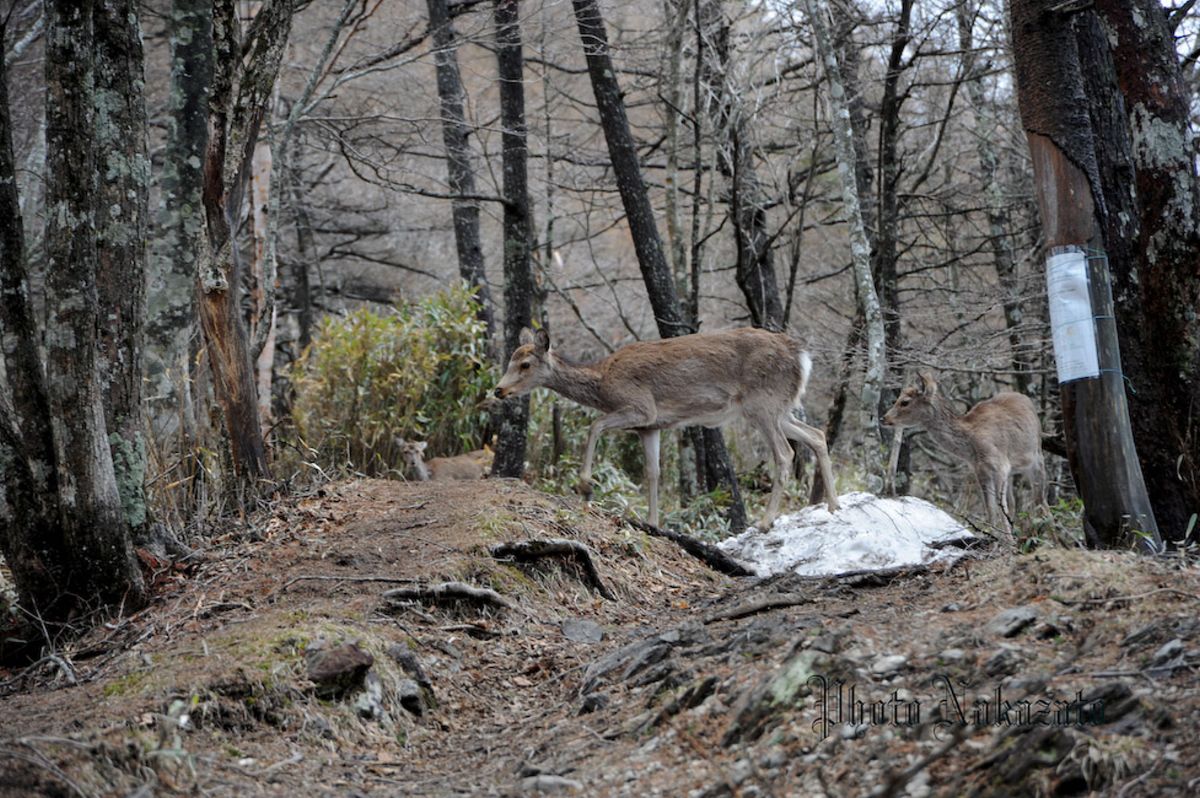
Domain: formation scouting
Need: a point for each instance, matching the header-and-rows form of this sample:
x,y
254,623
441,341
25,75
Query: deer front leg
x,y
625,418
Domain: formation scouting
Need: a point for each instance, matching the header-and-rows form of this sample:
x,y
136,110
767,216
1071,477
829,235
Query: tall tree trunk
x,y
233,128
31,537
868,299
999,216
755,273
121,204
179,237
1157,291
518,276
455,133
1051,93
306,250
656,274
96,535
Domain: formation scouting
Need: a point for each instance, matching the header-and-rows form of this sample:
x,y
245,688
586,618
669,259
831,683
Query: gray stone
x,y
1011,621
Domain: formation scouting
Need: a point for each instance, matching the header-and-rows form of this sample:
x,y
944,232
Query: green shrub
x,y
417,373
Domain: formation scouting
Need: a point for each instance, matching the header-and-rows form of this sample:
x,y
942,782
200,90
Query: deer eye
x,y
525,365
904,402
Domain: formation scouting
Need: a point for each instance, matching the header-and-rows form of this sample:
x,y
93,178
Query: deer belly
x,y
699,413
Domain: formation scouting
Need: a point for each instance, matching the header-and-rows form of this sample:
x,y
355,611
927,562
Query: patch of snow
x,y
867,533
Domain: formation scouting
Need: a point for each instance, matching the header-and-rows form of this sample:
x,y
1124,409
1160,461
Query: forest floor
x,y
277,666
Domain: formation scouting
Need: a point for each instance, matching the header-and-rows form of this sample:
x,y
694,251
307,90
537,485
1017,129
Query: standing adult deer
x,y
997,438
706,379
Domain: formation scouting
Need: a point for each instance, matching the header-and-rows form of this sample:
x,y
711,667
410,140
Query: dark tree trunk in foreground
x,y
1157,289
1063,145
233,128
31,538
518,277
121,206
455,133
97,560
640,215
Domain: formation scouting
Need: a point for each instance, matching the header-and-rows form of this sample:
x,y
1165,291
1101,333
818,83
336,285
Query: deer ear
x,y
527,337
421,446
927,383
543,340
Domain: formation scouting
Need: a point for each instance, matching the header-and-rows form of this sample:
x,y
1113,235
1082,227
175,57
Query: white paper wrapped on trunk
x,y
1071,316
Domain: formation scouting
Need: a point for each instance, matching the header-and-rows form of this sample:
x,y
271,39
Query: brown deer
x,y
472,465
997,438
706,379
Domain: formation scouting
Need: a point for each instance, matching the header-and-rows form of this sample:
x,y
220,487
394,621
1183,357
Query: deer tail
x,y
805,371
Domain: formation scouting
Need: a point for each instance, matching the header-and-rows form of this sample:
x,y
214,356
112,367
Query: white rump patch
x,y
867,533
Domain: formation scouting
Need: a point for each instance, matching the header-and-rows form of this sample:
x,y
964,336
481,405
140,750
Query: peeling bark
x,y
1052,93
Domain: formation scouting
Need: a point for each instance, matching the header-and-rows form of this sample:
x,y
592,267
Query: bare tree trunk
x,y
233,128
656,274
121,203
518,276
455,133
868,299
1052,97
31,537
306,249
95,531
735,160
999,217
171,329
1157,291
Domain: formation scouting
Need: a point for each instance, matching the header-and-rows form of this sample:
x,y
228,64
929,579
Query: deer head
x,y
914,403
528,367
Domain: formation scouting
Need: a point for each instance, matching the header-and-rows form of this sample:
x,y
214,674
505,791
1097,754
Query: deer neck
x,y
947,428
576,381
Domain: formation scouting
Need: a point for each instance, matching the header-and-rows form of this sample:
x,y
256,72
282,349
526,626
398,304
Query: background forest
x,y
266,241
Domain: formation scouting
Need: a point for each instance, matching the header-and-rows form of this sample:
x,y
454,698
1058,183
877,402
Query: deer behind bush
x,y
472,465
997,438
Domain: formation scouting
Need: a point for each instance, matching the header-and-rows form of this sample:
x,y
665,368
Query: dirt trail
x,y
686,683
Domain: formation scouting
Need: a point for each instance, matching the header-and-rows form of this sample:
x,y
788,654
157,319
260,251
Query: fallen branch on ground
x,y
705,552
448,593
759,605
531,550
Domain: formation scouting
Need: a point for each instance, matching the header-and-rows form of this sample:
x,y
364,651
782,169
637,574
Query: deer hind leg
x,y
650,448
992,482
814,439
782,452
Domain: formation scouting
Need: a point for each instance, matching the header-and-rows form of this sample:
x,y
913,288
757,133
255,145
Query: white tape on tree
x,y
1071,316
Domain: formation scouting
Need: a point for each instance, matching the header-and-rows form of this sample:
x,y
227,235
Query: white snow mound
x,y
867,533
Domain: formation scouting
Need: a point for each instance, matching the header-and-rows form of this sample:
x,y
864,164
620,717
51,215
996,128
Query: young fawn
x,y
997,438
472,465
707,379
